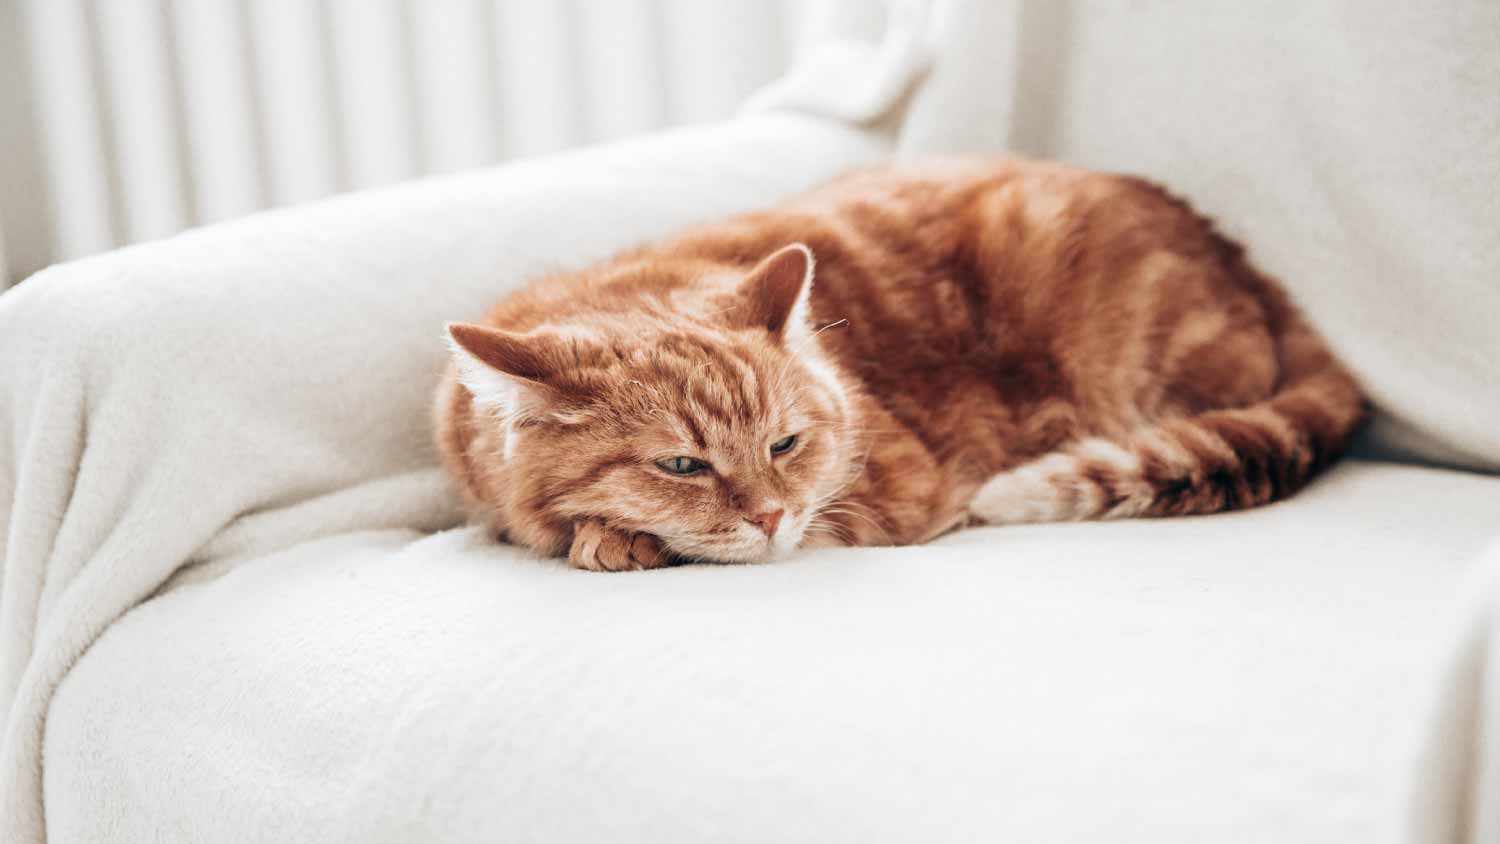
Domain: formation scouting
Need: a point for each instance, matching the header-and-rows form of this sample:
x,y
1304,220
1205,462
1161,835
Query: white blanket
x,y
1356,153
1455,794
252,398
247,387
1354,146
1258,677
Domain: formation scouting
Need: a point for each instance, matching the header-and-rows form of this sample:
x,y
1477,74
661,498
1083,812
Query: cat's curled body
x,y
897,353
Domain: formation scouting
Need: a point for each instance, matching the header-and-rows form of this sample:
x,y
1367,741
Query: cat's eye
x,y
783,445
681,465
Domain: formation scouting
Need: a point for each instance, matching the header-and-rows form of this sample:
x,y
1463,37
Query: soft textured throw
x,y
239,389
1141,682
244,407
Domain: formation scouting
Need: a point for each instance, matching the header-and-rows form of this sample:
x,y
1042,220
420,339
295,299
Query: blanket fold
x,y
245,387
1455,789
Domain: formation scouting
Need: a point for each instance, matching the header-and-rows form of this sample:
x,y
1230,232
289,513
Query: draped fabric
x,y
211,409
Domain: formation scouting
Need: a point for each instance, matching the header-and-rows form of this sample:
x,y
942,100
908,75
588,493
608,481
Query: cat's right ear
x,y
778,293
504,371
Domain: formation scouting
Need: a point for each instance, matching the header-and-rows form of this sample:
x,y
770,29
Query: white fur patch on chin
x,y
787,540
750,547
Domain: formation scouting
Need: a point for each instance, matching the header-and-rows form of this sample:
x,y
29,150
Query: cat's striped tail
x,y
1218,460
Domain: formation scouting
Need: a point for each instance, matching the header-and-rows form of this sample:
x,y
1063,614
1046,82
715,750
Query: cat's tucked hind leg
x,y
1091,479
1219,460
597,547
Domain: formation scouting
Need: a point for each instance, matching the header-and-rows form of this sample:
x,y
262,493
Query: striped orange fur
x,y
947,342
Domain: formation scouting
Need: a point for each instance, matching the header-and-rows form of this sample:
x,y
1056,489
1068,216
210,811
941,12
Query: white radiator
x,y
126,120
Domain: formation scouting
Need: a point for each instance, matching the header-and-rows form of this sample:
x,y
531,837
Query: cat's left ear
x,y
778,291
504,371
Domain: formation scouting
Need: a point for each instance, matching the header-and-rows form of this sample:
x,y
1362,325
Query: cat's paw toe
x,y
646,552
597,547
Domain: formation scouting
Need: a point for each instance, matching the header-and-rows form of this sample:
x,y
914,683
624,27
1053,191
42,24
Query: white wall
x,y
128,120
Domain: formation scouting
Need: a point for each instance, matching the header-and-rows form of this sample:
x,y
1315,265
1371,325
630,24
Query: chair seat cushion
x,y
1249,676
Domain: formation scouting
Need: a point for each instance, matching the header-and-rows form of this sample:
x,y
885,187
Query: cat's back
x,y
916,234
985,293
943,256
959,207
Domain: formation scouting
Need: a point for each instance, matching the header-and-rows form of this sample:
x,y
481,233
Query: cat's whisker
x,y
820,526
853,509
844,321
885,534
814,336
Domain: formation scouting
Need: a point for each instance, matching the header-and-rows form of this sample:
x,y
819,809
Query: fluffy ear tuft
x,y
504,372
778,291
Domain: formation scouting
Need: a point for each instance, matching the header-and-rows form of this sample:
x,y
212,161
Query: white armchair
x,y
237,603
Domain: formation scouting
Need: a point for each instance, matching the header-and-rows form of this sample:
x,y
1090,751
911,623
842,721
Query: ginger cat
x,y
895,354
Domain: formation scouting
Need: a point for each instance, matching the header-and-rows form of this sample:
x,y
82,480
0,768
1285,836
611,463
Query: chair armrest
x,y
292,353
246,386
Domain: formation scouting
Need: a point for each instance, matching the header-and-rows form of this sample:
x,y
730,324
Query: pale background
x,y
129,120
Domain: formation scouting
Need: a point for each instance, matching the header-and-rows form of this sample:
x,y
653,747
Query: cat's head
x,y
721,428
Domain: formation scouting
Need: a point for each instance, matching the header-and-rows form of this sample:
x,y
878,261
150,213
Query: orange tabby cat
x,y
885,358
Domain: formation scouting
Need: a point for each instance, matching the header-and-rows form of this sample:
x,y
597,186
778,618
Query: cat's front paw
x,y
597,547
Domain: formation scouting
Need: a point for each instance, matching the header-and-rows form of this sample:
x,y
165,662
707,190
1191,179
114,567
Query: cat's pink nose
x,y
768,521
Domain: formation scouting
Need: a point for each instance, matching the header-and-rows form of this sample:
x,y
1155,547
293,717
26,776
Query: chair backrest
x,y
1353,145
